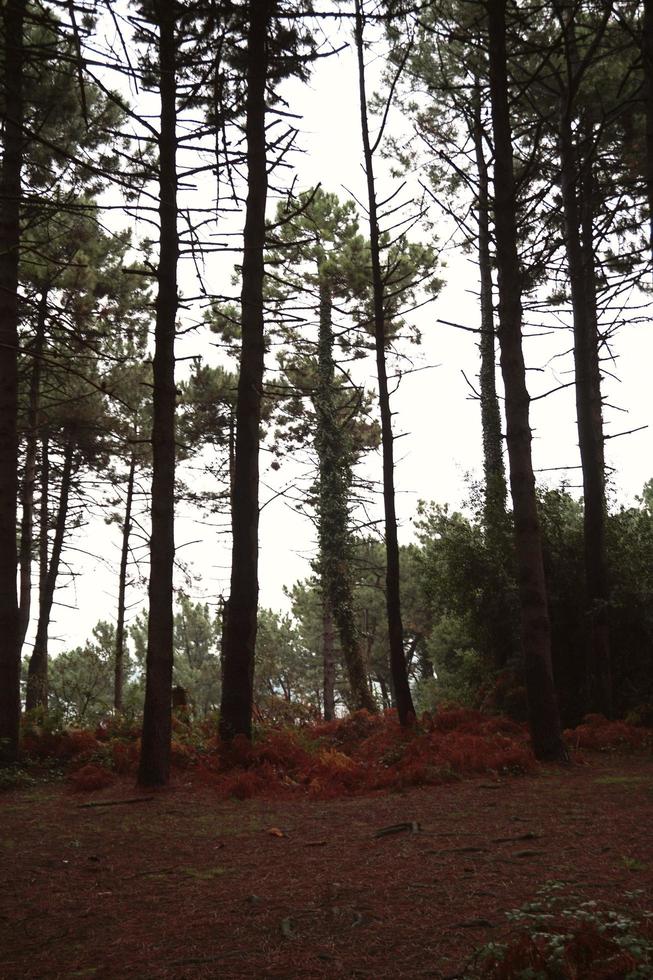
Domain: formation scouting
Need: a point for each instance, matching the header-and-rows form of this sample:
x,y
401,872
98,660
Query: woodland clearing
x,y
183,883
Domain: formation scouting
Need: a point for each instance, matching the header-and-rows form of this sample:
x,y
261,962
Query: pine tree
x,y
13,18
154,764
535,625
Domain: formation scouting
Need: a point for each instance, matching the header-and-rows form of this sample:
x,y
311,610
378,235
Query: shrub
x,y
90,777
561,937
15,777
599,734
117,726
124,756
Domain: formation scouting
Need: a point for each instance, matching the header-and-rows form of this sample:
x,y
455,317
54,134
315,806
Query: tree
x,y
535,625
577,151
288,673
239,640
395,628
271,53
197,661
84,300
154,764
81,680
647,62
447,77
323,235
13,19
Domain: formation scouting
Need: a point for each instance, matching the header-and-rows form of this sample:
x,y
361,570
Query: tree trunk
x,y
232,456
334,535
154,766
501,629
535,625
122,589
576,179
493,463
13,16
405,708
386,698
647,61
29,475
239,640
329,662
37,671
44,514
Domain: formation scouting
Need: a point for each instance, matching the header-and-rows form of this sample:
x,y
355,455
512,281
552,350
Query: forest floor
x,y
183,884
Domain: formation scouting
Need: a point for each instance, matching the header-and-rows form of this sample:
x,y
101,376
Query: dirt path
x,y
187,886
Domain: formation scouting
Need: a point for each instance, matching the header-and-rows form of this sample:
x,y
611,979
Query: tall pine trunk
x,y
501,628
29,472
576,184
404,701
647,60
493,465
119,665
37,671
328,662
44,513
239,637
334,535
13,16
535,625
154,766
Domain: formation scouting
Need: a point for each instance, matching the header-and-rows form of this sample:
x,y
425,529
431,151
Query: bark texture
x,y
501,627
647,60
535,625
119,665
329,662
154,766
239,638
334,535
44,513
29,472
404,701
576,185
493,464
13,17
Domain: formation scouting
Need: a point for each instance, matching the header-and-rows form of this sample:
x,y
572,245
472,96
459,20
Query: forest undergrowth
x,y
352,848
362,753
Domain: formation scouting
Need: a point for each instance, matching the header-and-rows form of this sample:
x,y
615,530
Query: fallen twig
x,y
411,827
530,835
134,799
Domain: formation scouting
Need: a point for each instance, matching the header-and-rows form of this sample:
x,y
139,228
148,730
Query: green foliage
x,y
81,681
460,576
466,590
461,674
15,777
206,421
369,610
560,936
288,675
196,639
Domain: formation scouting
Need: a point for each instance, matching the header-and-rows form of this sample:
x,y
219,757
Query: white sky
x,y
442,441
